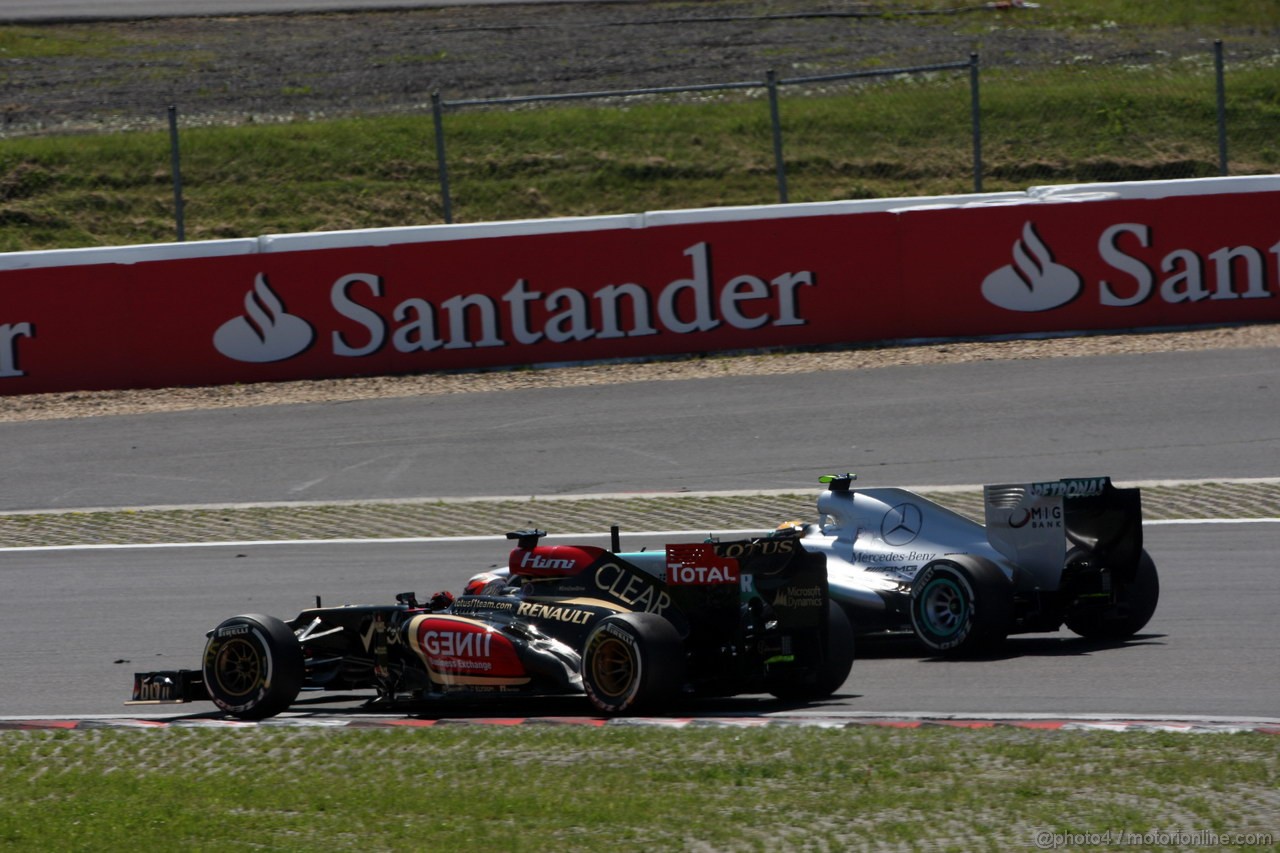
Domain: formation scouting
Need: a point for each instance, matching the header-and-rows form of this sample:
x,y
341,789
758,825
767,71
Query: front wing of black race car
x,y
712,619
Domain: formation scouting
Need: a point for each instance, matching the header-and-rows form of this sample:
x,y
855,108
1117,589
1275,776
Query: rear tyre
x,y
961,605
1135,603
839,651
253,666
632,662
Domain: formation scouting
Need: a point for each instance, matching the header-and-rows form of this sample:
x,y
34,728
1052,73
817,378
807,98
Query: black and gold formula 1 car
x,y
631,632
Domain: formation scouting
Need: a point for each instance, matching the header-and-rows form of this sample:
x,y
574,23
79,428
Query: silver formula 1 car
x,y
1052,553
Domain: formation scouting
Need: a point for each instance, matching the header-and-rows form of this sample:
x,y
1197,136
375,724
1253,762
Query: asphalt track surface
x,y
76,623
1181,415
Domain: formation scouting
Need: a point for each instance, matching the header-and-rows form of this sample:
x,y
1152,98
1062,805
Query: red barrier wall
x,y
1180,253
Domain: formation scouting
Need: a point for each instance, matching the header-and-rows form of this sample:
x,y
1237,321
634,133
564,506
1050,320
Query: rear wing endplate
x,y
1034,524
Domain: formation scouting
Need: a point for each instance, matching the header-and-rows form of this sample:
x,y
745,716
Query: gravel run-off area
x,y
231,69
1263,337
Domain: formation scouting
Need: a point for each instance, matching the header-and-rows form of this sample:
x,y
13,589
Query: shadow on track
x,y
1042,645
551,710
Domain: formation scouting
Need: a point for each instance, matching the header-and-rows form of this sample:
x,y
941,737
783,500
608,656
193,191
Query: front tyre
x,y
961,606
632,662
1135,603
253,666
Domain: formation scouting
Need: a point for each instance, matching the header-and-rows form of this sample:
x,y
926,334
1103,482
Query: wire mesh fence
x,y
939,129
952,127
1195,115
948,128
771,86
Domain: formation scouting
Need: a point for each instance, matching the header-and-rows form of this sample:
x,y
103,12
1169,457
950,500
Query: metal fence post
x,y
975,109
1220,76
442,167
178,215
772,83
780,164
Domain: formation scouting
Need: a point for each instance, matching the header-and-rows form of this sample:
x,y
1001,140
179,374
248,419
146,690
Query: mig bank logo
x,y
265,332
1034,281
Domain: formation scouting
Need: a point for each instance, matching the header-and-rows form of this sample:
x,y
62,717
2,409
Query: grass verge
x,y
624,789
882,138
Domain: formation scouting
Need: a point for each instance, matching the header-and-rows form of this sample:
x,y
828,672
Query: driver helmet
x,y
485,583
794,528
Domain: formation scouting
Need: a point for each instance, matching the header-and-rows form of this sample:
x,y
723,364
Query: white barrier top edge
x,y
377,237
128,254
822,208
1164,189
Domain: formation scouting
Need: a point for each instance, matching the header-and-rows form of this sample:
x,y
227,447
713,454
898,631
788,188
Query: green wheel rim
x,y
943,607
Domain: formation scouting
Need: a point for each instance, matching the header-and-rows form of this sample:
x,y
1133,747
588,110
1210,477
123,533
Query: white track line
x,y
800,491
429,540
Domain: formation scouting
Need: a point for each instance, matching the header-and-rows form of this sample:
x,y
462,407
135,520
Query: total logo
x,y
698,564
1037,281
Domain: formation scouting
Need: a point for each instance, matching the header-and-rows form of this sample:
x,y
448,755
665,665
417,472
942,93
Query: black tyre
x,y
1134,606
253,666
961,605
632,662
839,650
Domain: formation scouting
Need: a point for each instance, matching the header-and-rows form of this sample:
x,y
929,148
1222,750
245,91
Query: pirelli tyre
x,y
961,605
632,662
1135,603
838,661
253,666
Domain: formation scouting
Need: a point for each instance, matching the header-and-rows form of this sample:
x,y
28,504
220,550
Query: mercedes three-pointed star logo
x,y
901,524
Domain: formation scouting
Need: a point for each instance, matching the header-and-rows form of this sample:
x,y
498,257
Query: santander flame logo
x,y
1034,282
266,332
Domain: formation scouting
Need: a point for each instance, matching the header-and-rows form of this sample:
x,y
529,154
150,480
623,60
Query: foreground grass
x,y
480,788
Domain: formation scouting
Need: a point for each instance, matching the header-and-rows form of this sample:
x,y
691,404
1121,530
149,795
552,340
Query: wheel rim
x,y
238,667
613,667
943,607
